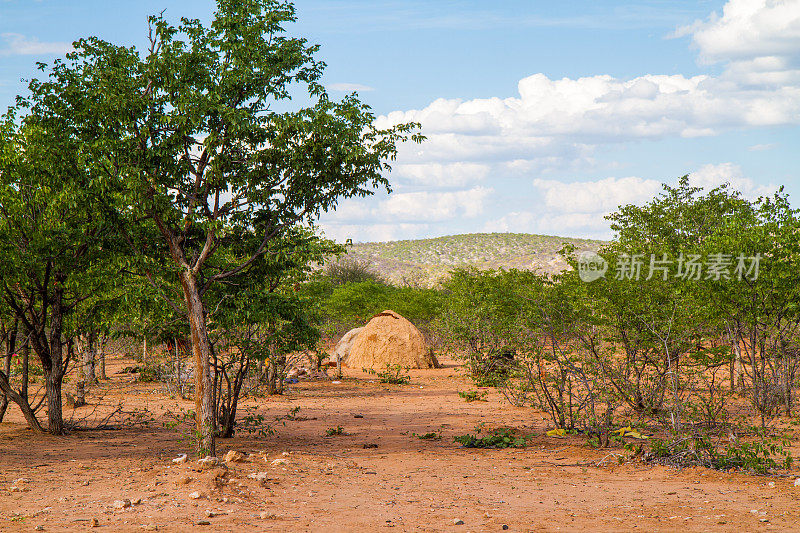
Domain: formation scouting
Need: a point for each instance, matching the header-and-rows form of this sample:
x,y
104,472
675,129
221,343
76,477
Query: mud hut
x,y
389,338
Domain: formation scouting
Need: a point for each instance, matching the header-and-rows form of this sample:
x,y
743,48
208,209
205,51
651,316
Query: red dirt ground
x,y
336,484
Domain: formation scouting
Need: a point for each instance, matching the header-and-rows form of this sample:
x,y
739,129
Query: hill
x,y
427,260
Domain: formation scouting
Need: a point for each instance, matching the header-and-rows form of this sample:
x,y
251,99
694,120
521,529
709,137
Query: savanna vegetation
x,y
160,195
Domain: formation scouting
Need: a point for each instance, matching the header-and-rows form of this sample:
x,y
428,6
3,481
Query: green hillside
x,y
426,260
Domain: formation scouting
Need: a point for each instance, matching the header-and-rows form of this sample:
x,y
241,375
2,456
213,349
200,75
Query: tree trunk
x,y
101,358
22,402
89,356
204,408
11,340
55,422
734,340
4,401
80,382
54,367
24,352
273,378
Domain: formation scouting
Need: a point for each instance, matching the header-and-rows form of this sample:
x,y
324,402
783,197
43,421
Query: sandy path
x,y
335,484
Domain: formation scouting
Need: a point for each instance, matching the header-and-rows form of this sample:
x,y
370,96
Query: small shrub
x,y
151,373
148,372
183,423
393,374
473,396
332,432
293,416
499,438
348,269
428,436
760,457
254,424
492,369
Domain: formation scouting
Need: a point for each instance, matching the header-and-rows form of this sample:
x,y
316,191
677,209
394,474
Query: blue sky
x,y
541,116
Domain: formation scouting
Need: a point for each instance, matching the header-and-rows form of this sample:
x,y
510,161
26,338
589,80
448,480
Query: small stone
x,y
182,458
797,482
85,483
210,513
233,456
136,501
505,527
185,480
122,504
278,462
771,484
264,515
195,495
458,522
95,522
150,527
203,523
208,462
336,382
258,476
39,528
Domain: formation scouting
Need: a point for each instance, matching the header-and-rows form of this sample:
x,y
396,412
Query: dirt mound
x,y
390,339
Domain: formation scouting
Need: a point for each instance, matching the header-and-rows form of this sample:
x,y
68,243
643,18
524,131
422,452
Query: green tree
x,y
760,298
54,241
190,135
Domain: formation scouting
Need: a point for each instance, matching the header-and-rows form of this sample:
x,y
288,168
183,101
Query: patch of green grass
x,y
499,438
332,432
393,374
473,396
428,436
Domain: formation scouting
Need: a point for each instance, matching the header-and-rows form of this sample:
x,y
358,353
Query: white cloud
x,y
553,123
748,29
411,207
710,176
580,225
601,196
379,232
435,206
758,39
350,87
761,147
18,44
350,210
555,127
442,174
578,209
